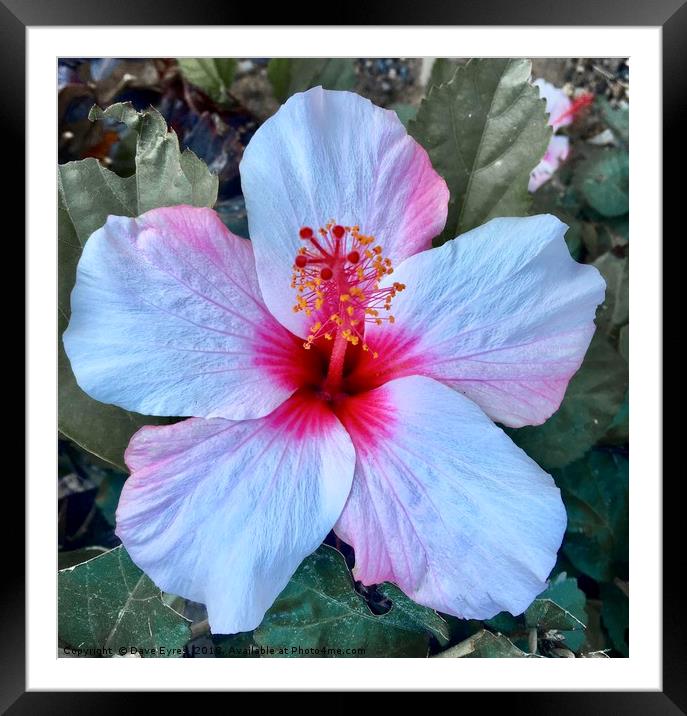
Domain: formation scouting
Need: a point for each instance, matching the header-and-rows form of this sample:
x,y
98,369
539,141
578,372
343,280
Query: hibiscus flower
x,y
562,111
341,374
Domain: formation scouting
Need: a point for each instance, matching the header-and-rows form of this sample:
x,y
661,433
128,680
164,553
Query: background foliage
x,y
485,128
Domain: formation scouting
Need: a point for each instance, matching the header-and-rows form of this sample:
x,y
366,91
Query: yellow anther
x,y
344,297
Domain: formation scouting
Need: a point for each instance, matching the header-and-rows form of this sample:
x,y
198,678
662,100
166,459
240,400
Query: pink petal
x,y
556,153
444,505
167,319
334,155
223,512
503,314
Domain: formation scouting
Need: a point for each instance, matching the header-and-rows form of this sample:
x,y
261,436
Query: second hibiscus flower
x,y
339,374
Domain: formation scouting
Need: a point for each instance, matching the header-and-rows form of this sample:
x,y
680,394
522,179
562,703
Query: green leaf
x,y
485,131
109,491
611,235
72,557
212,75
595,637
425,619
291,75
279,75
164,176
593,398
615,310
108,603
545,614
595,493
88,194
561,606
617,118
405,112
615,613
484,644
618,432
624,342
235,646
504,622
320,610
604,182
443,71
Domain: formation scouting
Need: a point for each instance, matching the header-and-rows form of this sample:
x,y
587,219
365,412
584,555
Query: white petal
x,y
443,503
223,512
334,155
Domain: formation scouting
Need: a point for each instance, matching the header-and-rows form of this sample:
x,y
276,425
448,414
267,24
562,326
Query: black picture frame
x,y
17,15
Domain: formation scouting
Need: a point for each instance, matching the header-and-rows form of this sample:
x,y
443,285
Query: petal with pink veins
x,y
334,155
556,153
223,512
167,319
503,314
444,504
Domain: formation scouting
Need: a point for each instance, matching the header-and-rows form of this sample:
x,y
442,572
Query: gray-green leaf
x,y
108,603
595,493
320,609
485,131
443,71
547,614
615,613
291,75
405,112
604,182
615,310
213,75
569,615
484,645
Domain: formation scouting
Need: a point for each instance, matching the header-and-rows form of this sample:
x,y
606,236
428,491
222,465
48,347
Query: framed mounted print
x,y
332,327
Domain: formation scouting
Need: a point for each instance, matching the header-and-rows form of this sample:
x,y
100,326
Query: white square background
x,y
642,671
